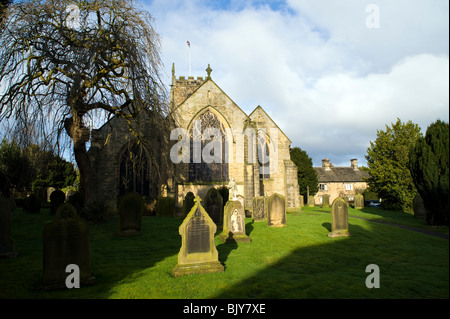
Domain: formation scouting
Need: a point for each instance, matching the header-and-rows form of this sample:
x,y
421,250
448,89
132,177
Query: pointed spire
x,y
208,71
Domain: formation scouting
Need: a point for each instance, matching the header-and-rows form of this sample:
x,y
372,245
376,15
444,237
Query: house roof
x,y
340,174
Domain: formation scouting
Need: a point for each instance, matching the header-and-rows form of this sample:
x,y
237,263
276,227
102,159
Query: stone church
x,y
213,143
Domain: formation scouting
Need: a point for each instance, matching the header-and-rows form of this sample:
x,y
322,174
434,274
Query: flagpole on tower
x,y
189,45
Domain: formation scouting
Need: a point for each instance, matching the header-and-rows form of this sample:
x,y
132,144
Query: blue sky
x,y
327,79
319,68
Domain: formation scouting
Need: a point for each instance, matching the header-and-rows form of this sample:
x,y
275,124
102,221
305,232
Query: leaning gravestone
x,y
359,201
234,223
419,208
7,205
325,201
259,212
339,218
214,205
276,210
131,209
198,253
66,242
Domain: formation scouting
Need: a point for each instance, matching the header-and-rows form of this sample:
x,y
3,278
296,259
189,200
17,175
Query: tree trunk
x,y
80,136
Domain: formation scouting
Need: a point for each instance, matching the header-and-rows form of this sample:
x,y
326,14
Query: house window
x,y
348,187
323,187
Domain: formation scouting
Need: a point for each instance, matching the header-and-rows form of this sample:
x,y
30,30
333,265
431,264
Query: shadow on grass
x,y
336,269
224,251
327,226
113,259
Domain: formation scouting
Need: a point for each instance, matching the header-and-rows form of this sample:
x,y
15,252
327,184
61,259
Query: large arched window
x,y
134,171
207,162
263,155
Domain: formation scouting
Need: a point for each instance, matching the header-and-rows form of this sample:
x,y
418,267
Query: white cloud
x,y
326,79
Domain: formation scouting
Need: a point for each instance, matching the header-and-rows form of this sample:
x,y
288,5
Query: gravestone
x,y
65,242
359,201
276,210
302,201
131,209
214,205
165,206
198,253
188,203
234,223
325,201
310,201
57,198
50,190
339,217
259,210
419,208
7,205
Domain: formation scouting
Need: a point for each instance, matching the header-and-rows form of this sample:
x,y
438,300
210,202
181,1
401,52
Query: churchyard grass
x,y
295,261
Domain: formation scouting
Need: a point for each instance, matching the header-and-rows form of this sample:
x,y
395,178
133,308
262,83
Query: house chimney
x,y
354,163
326,164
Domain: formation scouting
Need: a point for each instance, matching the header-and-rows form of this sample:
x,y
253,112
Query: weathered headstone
x,y
66,242
234,223
276,210
259,212
131,209
311,201
302,201
325,201
198,253
339,218
7,205
359,201
419,209
214,205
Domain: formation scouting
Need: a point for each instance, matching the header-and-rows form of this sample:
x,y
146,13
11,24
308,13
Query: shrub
x,y
429,165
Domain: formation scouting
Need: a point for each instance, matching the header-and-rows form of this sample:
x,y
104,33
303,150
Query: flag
x,y
188,43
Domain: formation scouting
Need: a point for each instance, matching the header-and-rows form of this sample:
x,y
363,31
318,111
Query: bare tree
x,y
62,62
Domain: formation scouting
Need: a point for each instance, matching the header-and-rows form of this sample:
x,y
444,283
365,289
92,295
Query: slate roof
x,y
340,174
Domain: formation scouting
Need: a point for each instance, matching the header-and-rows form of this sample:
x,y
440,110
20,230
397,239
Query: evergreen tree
x,y
307,176
388,165
429,165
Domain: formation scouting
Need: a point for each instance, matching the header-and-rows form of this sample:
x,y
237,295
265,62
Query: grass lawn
x,y
296,261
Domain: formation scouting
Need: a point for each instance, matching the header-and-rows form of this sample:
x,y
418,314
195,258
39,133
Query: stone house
x,y
339,181
211,141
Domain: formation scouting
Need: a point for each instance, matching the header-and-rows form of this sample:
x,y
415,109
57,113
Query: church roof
x,y
259,107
